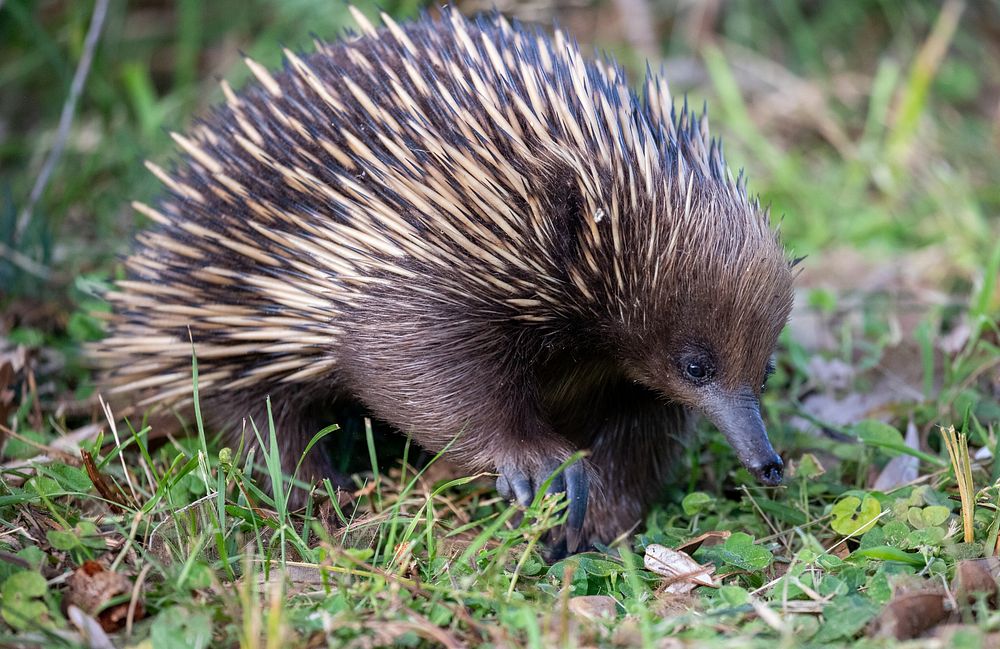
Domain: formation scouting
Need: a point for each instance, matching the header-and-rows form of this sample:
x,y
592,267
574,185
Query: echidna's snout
x,y
737,416
770,474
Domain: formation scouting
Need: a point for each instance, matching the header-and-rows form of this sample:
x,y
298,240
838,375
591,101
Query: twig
x,y
121,456
66,118
958,451
23,261
777,534
133,601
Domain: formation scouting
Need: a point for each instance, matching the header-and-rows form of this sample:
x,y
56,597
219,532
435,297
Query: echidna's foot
x,y
520,484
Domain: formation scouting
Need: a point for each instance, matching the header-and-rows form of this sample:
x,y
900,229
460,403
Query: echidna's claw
x,y
558,484
513,484
577,488
516,484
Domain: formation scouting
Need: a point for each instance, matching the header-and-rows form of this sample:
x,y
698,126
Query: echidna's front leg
x,y
459,387
634,447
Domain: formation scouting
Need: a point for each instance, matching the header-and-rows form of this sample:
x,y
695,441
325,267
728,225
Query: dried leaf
x,y
594,607
92,631
976,578
117,500
683,572
838,410
295,578
901,469
910,615
708,539
91,587
668,605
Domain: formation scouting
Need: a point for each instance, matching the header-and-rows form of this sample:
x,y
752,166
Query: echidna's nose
x,y
769,474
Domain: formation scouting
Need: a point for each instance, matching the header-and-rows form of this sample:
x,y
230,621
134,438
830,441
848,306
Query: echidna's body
x,y
482,237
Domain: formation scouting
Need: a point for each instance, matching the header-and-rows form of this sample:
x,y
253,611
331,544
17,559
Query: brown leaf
x,y
910,615
841,550
682,572
117,500
844,410
367,490
294,578
594,607
976,578
708,539
670,605
91,587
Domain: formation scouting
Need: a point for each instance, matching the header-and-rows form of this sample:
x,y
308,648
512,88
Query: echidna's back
x,y
473,162
292,200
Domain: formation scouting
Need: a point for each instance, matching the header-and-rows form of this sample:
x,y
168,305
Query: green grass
x,y
871,126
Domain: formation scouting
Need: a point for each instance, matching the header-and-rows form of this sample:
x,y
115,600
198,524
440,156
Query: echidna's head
x,y
715,319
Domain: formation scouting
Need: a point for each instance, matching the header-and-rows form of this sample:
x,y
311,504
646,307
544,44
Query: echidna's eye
x,y
698,369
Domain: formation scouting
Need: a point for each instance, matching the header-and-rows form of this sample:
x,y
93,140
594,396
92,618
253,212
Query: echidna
x,y
483,238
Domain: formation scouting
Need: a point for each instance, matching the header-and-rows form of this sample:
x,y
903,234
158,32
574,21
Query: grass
x,y
871,126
